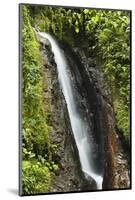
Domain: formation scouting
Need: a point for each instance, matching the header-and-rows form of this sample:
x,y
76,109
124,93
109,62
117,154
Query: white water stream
x,y
78,124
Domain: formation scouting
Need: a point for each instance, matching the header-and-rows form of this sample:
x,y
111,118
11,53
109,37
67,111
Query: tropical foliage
x,y
105,33
37,164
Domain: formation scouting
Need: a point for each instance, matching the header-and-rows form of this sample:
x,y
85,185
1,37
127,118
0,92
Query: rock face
x,y
111,160
69,177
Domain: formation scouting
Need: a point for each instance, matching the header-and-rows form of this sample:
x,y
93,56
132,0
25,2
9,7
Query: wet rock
x,y
95,96
111,157
67,178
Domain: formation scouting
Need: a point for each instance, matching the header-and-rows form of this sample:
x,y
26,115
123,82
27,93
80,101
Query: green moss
x,y
35,128
123,120
36,176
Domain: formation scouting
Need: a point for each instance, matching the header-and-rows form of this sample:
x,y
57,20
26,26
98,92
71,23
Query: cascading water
x,y
78,124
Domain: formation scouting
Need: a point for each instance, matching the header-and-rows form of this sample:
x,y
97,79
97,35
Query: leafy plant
x,y
36,177
37,167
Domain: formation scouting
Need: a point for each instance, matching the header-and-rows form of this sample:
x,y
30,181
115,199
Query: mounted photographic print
x,y
74,99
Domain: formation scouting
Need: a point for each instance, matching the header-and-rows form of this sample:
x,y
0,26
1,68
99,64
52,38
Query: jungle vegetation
x,y
107,33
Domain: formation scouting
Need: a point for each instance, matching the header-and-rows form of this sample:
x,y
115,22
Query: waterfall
x,y
78,124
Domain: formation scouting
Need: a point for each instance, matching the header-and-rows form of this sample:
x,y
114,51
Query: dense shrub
x,y
36,175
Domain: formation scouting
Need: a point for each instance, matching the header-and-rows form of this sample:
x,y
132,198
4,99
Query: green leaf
x,y
76,29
